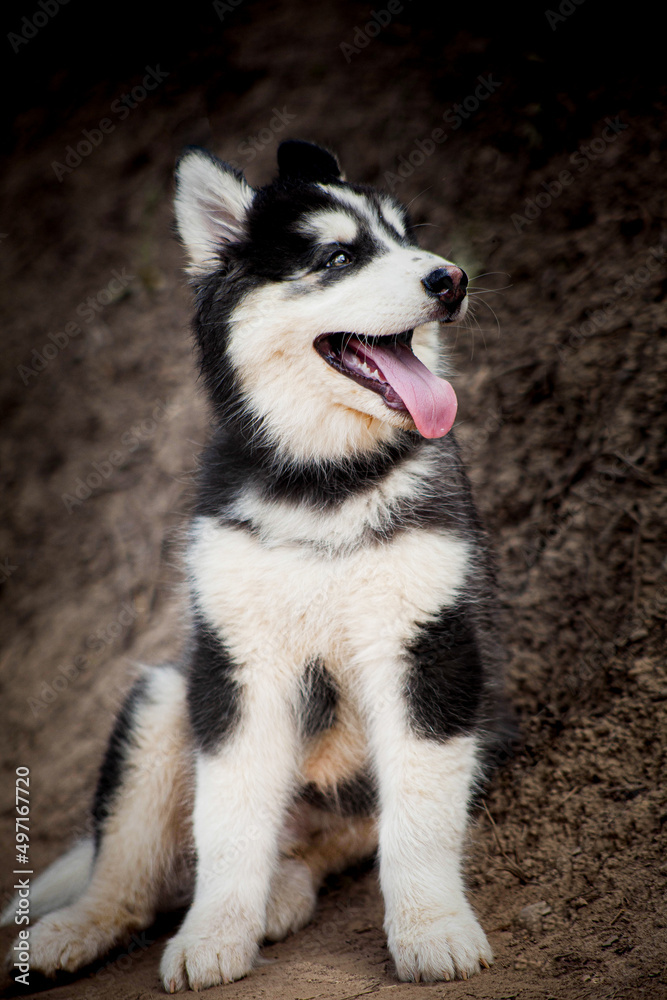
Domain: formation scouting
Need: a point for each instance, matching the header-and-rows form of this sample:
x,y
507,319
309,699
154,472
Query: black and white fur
x,y
342,684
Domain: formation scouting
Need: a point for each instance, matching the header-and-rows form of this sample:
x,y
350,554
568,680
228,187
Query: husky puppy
x,y
342,684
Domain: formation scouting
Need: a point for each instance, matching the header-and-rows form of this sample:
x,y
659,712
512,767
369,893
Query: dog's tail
x,y
61,884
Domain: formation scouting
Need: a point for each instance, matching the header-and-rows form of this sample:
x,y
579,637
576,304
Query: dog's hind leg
x,y
62,882
142,816
328,844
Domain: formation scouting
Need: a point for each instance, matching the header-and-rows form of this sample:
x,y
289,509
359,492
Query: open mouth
x,y
387,366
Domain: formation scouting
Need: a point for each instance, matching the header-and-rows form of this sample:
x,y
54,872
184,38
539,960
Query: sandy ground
x,y
550,189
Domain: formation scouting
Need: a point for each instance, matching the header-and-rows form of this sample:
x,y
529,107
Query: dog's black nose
x,y
447,283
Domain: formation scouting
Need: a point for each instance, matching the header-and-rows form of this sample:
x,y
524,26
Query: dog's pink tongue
x,y
430,401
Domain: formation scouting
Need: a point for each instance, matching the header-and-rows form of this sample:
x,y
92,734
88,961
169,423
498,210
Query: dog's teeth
x,y
352,361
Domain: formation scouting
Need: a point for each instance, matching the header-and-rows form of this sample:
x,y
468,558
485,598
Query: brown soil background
x,y
561,383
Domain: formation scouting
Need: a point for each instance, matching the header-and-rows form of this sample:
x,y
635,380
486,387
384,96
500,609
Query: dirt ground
x,y
548,186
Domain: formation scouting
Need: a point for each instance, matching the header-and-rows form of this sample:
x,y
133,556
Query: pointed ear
x,y
212,202
304,161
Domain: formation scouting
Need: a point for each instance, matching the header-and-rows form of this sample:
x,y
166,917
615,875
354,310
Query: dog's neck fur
x,y
238,455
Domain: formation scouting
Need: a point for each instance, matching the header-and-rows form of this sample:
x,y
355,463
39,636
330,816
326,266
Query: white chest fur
x,y
283,604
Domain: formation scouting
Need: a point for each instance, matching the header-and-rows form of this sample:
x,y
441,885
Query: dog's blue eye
x,y
339,259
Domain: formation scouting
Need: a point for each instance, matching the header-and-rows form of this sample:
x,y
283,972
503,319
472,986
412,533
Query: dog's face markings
x,y
338,245
330,225
395,217
317,292
308,243
382,215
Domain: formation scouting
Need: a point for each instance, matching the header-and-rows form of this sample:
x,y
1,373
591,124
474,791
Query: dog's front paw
x,y
453,946
67,940
292,899
207,953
